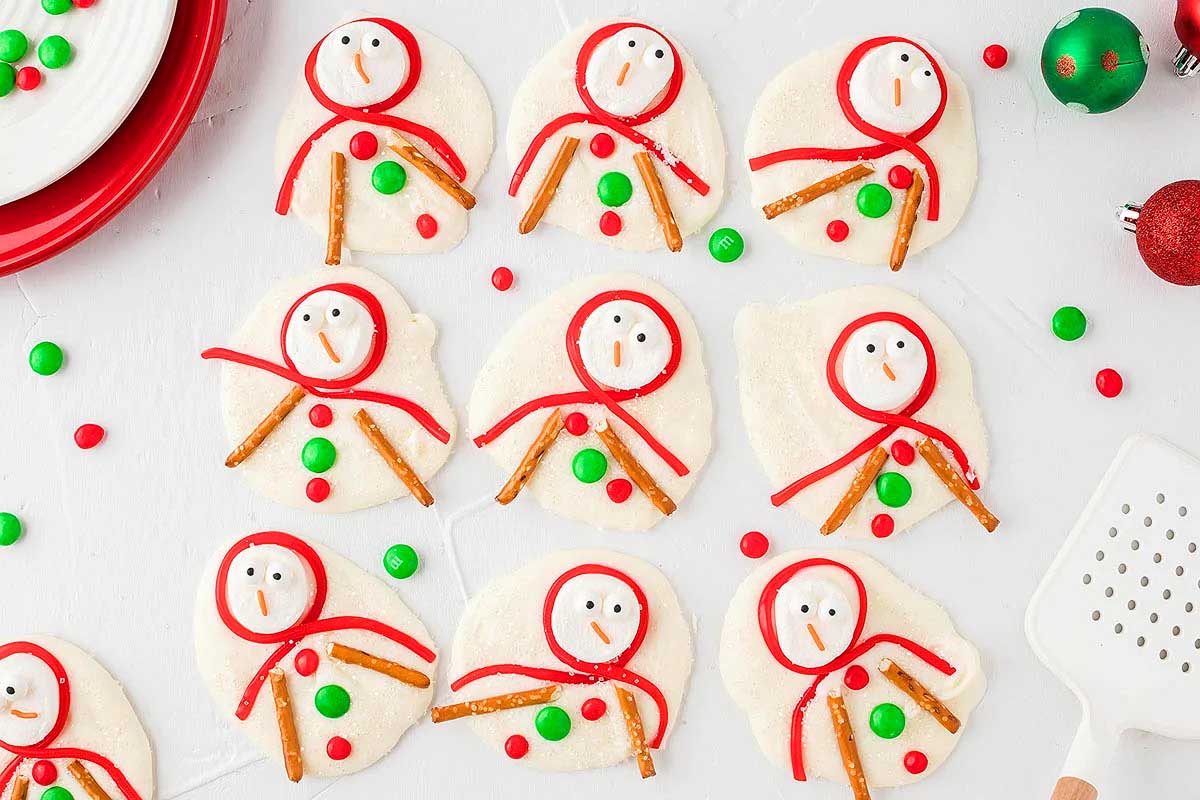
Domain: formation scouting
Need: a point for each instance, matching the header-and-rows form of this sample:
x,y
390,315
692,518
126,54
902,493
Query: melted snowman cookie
x,y
331,395
861,408
411,125
615,137
67,726
811,637
276,615
598,400
576,661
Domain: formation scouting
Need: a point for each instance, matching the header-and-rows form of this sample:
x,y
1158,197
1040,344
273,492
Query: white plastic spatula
x,y
1117,617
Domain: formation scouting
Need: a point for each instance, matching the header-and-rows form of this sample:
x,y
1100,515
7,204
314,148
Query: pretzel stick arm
x,y
920,695
636,731
847,747
818,189
392,458
288,739
908,219
545,191
285,406
634,469
957,486
490,705
533,456
658,200
85,779
858,488
429,169
20,788
348,655
337,208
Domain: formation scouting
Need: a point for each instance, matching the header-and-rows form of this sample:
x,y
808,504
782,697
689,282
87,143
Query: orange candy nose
x,y
816,637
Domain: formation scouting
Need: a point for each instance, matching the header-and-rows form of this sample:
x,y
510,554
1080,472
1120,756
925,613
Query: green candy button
x,y
887,720
893,489
54,52
400,561
46,358
589,465
388,177
614,189
874,200
57,793
726,245
56,7
332,701
552,723
1068,323
13,45
8,78
10,529
318,454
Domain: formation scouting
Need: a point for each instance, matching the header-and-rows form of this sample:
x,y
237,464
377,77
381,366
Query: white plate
x,y
46,133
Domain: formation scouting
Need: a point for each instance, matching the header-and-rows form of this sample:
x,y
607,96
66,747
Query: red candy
x,y
837,230
995,55
856,678
754,545
320,415
903,452
317,490
882,526
338,749
1109,382
502,279
916,762
516,746
427,226
593,709
307,662
364,145
602,145
900,177
44,773
84,3
610,223
619,490
88,436
29,78
576,423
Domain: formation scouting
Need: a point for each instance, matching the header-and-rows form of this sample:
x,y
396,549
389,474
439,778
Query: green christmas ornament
x,y
54,52
1094,60
56,7
893,489
46,358
13,45
887,720
400,561
589,465
873,200
1068,323
318,454
57,793
552,723
726,245
614,189
388,177
8,78
10,529
332,701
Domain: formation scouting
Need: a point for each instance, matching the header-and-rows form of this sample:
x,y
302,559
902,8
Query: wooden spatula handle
x,y
1073,789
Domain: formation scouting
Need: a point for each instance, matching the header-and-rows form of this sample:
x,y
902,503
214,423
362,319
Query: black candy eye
x,y
307,317
870,348
590,605
337,312
928,73
374,43
904,56
900,344
632,43
277,576
9,690
345,40
804,608
641,337
617,318
659,54
832,613
250,571
617,608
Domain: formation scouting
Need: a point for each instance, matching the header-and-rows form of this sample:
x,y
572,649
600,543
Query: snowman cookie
x,y
864,151
386,135
320,663
332,397
67,728
615,138
845,672
861,408
598,399
575,661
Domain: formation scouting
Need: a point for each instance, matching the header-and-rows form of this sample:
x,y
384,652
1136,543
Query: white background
x,y
116,537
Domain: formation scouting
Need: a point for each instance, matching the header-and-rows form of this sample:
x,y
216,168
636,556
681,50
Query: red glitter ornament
x,y
516,746
916,762
754,545
502,279
88,436
883,526
903,452
856,678
320,415
576,423
602,145
619,490
1168,231
837,230
427,226
593,709
44,773
610,223
338,749
364,145
317,490
29,78
995,55
900,177
307,662
1109,382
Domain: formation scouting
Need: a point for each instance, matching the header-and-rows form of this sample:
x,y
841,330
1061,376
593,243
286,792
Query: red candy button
x,y
317,490
610,223
1109,382
516,746
856,678
837,230
883,526
602,145
364,145
593,709
44,773
995,55
320,415
916,762
900,177
84,3
307,661
619,490
576,423
29,78
754,545
502,279
427,226
338,749
88,436
903,452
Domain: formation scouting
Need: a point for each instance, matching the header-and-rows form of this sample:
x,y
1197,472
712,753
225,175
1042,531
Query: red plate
x,y
49,221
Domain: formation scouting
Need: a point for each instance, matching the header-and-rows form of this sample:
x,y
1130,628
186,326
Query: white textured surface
x,y
117,537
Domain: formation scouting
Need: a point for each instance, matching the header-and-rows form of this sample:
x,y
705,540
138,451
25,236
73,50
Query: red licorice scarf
x,y
624,126
888,142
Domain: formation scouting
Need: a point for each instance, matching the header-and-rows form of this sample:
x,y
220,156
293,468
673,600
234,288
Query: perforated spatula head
x,y
1116,616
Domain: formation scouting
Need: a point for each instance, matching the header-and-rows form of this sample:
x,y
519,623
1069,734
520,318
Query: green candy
x,y
1068,323
54,52
589,465
332,701
400,561
318,454
57,793
56,7
552,723
887,720
614,189
1094,60
8,78
893,489
13,45
388,177
10,529
726,245
873,200
46,358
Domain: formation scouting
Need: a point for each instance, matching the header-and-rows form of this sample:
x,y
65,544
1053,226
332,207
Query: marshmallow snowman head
x,y
883,366
329,335
30,699
816,618
269,588
626,344
629,72
896,87
362,64
596,615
